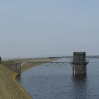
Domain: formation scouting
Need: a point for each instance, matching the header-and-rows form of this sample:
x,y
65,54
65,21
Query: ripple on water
x,y
57,82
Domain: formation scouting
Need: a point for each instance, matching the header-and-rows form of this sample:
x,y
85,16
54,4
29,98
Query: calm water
x,y
57,82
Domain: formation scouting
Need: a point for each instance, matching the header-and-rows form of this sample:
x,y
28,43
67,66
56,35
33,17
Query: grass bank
x,y
9,88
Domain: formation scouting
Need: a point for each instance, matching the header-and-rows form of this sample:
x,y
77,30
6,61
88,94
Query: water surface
x,y
58,82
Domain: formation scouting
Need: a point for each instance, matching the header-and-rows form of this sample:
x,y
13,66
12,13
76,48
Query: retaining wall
x,y
16,67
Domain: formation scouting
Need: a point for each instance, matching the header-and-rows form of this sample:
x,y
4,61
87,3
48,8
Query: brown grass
x,y
9,88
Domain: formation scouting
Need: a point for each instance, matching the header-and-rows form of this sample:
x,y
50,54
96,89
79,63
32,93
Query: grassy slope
x,y
9,88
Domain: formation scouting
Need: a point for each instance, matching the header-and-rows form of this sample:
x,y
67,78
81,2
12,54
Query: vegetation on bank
x,y
9,88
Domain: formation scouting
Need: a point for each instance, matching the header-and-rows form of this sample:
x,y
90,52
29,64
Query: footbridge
x,y
47,63
50,63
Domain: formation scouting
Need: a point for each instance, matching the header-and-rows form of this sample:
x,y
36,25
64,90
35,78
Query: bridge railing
x,y
79,60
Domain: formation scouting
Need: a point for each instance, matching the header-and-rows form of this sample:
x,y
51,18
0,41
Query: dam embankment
x,y
9,88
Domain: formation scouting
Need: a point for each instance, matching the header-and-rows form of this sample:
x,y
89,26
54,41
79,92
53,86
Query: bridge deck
x,y
48,62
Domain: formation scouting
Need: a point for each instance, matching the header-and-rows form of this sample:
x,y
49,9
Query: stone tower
x,y
79,63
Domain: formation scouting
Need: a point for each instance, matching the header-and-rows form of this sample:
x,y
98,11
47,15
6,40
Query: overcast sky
x,y
41,28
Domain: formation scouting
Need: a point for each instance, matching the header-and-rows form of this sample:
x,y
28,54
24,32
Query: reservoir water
x,y
58,82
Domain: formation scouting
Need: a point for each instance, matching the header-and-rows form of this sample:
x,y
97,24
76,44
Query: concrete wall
x,y
16,67
79,56
79,69
79,63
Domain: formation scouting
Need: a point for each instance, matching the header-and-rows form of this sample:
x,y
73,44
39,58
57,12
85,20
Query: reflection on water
x,y
79,86
79,77
57,82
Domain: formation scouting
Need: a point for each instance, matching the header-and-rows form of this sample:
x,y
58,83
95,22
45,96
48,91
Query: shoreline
x,y
9,87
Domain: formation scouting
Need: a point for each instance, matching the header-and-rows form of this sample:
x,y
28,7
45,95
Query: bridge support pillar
x,y
79,63
0,60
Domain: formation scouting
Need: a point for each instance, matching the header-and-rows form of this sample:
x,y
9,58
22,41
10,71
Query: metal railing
x,y
79,60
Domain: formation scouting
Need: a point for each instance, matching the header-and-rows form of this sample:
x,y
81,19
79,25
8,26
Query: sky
x,y
44,28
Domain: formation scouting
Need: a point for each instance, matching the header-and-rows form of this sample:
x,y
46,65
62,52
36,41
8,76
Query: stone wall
x,y
16,67
79,63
